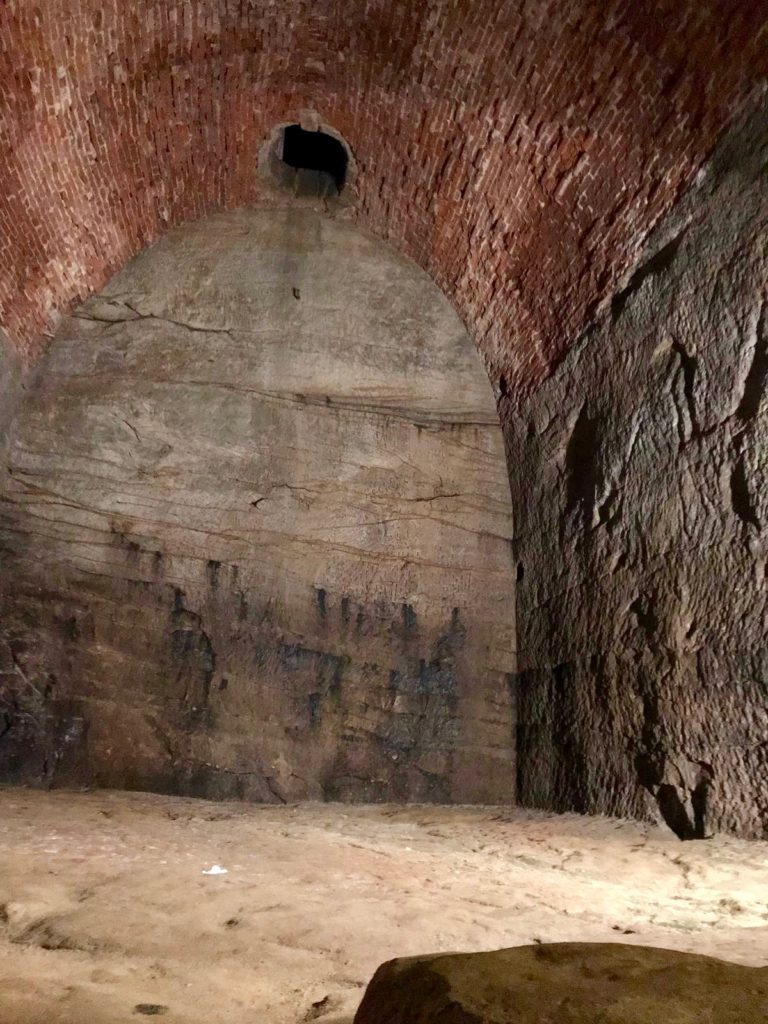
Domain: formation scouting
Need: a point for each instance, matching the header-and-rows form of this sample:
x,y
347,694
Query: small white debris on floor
x,y
120,916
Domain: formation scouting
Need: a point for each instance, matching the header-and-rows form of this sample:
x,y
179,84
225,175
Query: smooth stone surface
x,y
10,384
255,529
566,983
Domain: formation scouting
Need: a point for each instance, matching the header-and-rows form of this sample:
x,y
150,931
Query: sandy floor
x,y
106,915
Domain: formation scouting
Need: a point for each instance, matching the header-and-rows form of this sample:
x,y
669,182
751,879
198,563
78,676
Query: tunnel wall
x,y
518,151
255,529
640,482
10,384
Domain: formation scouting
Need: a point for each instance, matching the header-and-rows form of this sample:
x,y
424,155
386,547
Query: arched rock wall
x,y
256,531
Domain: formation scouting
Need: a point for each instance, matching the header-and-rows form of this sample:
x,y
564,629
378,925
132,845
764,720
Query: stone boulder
x,y
566,983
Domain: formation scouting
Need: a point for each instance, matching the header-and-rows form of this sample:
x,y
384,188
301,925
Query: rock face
x,y
256,531
566,983
640,484
10,381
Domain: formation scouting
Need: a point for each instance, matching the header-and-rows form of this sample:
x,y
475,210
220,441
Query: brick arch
x,y
520,152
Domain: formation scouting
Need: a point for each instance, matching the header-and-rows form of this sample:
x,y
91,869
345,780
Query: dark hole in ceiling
x,y
319,154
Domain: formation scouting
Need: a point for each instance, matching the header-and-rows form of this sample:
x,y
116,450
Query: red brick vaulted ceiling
x,y
519,150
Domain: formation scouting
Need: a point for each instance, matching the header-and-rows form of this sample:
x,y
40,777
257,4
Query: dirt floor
x,y
106,915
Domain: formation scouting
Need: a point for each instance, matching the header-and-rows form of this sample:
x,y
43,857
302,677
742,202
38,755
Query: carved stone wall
x,y
640,484
256,531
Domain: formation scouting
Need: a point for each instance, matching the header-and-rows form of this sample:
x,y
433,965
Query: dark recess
x,y
315,151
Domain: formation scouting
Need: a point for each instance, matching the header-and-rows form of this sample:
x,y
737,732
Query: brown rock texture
x,y
640,480
570,983
256,531
550,167
518,151
99,890
10,384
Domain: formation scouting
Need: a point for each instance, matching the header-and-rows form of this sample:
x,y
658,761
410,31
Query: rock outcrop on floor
x,y
566,983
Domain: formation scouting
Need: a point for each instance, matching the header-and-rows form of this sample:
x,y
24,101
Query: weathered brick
x,y
519,151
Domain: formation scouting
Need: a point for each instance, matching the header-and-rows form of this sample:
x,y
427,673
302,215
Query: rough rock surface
x,y
256,531
567,983
640,490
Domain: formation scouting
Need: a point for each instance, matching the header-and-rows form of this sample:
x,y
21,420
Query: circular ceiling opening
x,y
308,162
